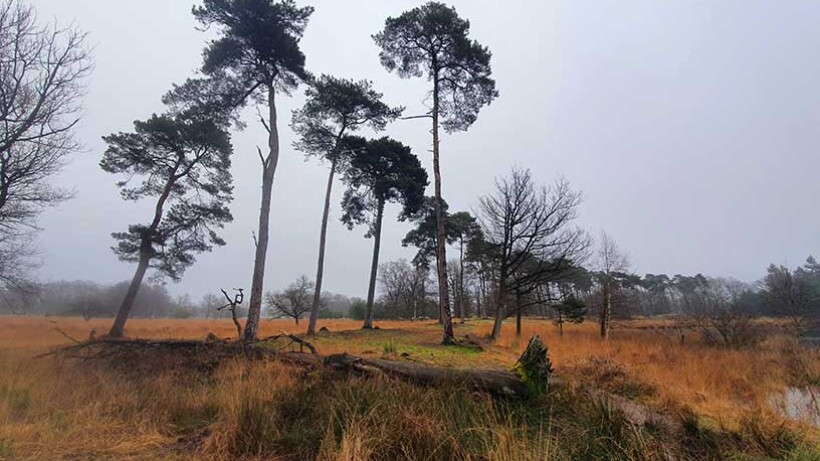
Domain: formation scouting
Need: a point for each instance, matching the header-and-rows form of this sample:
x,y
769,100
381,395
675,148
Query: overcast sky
x,y
692,129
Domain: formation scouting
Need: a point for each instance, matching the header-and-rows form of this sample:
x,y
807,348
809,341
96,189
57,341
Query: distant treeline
x,y
94,300
409,291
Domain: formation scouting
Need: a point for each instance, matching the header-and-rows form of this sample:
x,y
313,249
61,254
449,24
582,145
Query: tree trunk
x,y
441,235
461,280
374,267
560,324
499,382
518,315
236,324
118,328
500,307
482,295
317,295
268,171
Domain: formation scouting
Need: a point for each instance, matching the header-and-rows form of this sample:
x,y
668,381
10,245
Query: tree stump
x,y
534,367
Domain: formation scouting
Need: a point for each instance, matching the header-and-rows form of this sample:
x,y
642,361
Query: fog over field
x,y
691,128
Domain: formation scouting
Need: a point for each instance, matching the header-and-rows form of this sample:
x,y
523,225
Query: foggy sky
x,y
690,127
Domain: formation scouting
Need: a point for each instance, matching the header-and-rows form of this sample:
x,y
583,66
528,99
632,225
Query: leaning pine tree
x,y
384,171
432,41
333,109
183,162
255,57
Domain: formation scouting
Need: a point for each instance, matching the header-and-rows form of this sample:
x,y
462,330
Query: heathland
x,y
691,400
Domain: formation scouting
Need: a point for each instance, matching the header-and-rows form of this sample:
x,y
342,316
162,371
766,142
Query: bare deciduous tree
x,y
210,303
526,225
404,288
16,266
294,301
42,77
43,69
611,262
718,312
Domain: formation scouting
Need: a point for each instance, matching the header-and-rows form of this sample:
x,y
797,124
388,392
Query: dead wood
x,y
293,339
140,357
207,355
498,382
232,306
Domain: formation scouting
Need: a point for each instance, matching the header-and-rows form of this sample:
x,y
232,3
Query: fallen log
x,y
207,355
498,382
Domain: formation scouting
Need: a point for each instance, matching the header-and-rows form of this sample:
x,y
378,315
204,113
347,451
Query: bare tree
x,y
43,71
395,278
233,307
611,262
294,301
17,290
719,314
529,226
404,289
209,302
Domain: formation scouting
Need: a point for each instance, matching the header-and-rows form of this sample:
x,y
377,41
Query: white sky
x,y
691,128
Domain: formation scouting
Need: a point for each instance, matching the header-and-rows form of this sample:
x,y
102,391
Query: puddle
x,y
799,404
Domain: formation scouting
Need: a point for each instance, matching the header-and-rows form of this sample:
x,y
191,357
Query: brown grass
x,y
55,409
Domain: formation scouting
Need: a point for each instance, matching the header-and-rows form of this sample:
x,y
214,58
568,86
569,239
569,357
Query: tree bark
x,y
374,267
118,328
482,294
441,235
500,307
560,324
268,171
320,267
461,280
500,382
236,324
518,316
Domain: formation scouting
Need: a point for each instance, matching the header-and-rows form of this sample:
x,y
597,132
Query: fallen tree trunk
x,y
207,355
499,382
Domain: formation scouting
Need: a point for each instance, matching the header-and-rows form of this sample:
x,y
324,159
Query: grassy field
x,y
726,401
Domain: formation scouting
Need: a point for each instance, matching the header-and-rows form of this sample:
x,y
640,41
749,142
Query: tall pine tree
x,y
335,108
433,41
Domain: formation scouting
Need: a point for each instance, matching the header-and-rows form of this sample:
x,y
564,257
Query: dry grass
x,y
54,409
